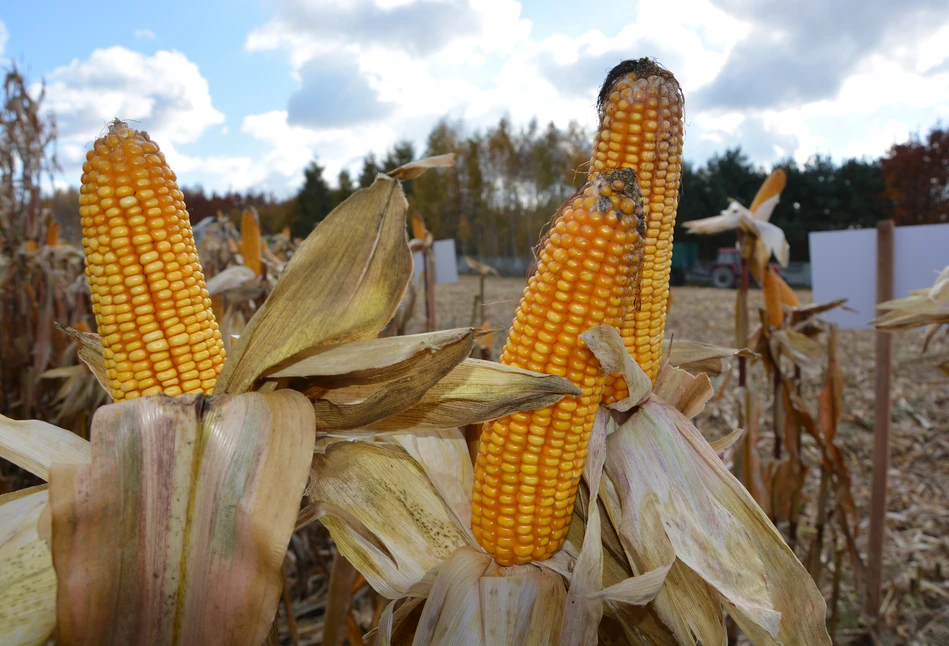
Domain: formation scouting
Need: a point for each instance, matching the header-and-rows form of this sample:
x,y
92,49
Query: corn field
x,y
258,439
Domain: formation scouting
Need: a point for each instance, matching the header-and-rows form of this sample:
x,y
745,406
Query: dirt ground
x,y
916,593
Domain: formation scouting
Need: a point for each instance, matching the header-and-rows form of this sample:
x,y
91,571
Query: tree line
x,y
507,183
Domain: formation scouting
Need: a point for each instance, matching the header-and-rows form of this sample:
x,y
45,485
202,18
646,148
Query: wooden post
x,y
429,255
881,427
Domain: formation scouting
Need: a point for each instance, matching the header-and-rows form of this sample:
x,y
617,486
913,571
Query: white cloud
x,y
164,94
144,34
4,35
166,91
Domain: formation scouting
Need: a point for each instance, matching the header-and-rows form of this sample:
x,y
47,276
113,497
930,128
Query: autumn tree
x,y
917,179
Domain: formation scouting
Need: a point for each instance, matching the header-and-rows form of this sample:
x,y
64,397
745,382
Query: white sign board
x,y
446,264
843,265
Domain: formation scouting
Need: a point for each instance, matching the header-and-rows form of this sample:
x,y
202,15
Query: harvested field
x,y
916,595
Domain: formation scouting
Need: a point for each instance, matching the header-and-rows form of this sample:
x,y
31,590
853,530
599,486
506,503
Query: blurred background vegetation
x,y
507,183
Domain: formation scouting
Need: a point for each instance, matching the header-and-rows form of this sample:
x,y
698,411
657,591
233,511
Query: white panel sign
x,y
446,264
843,265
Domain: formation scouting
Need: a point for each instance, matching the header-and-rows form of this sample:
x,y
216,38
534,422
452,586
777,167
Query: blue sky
x,y
244,93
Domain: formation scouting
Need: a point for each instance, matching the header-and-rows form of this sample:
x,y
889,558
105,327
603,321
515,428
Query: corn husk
x,y
670,530
342,284
35,446
27,578
176,530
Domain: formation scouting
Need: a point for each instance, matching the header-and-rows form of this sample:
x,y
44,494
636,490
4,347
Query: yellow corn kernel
x,y
143,270
641,127
250,241
529,464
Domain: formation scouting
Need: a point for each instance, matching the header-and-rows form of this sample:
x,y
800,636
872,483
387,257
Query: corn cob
x,y
250,241
52,234
529,464
641,127
148,293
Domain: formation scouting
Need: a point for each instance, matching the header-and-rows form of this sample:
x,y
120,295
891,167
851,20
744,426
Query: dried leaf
x,y
416,168
800,348
370,361
176,532
90,352
700,357
27,578
478,391
342,284
35,446
231,278
637,590
481,268
723,444
409,385
768,195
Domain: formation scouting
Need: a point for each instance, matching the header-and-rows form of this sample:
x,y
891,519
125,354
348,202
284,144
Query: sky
x,y
243,94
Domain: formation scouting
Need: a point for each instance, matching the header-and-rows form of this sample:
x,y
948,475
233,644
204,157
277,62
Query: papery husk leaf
x,y
700,357
443,455
606,344
687,392
675,494
90,352
35,446
27,578
582,612
416,168
370,361
342,284
395,396
391,497
176,533
523,608
452,612
231,278
476,392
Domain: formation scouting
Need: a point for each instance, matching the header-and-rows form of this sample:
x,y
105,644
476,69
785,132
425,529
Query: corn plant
x,y
170,526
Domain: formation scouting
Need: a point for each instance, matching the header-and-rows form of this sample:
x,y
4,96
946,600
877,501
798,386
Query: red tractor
x,y
726,270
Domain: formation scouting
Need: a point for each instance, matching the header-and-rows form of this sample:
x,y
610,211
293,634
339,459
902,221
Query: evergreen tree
x,y
345,188
315,200
369,171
